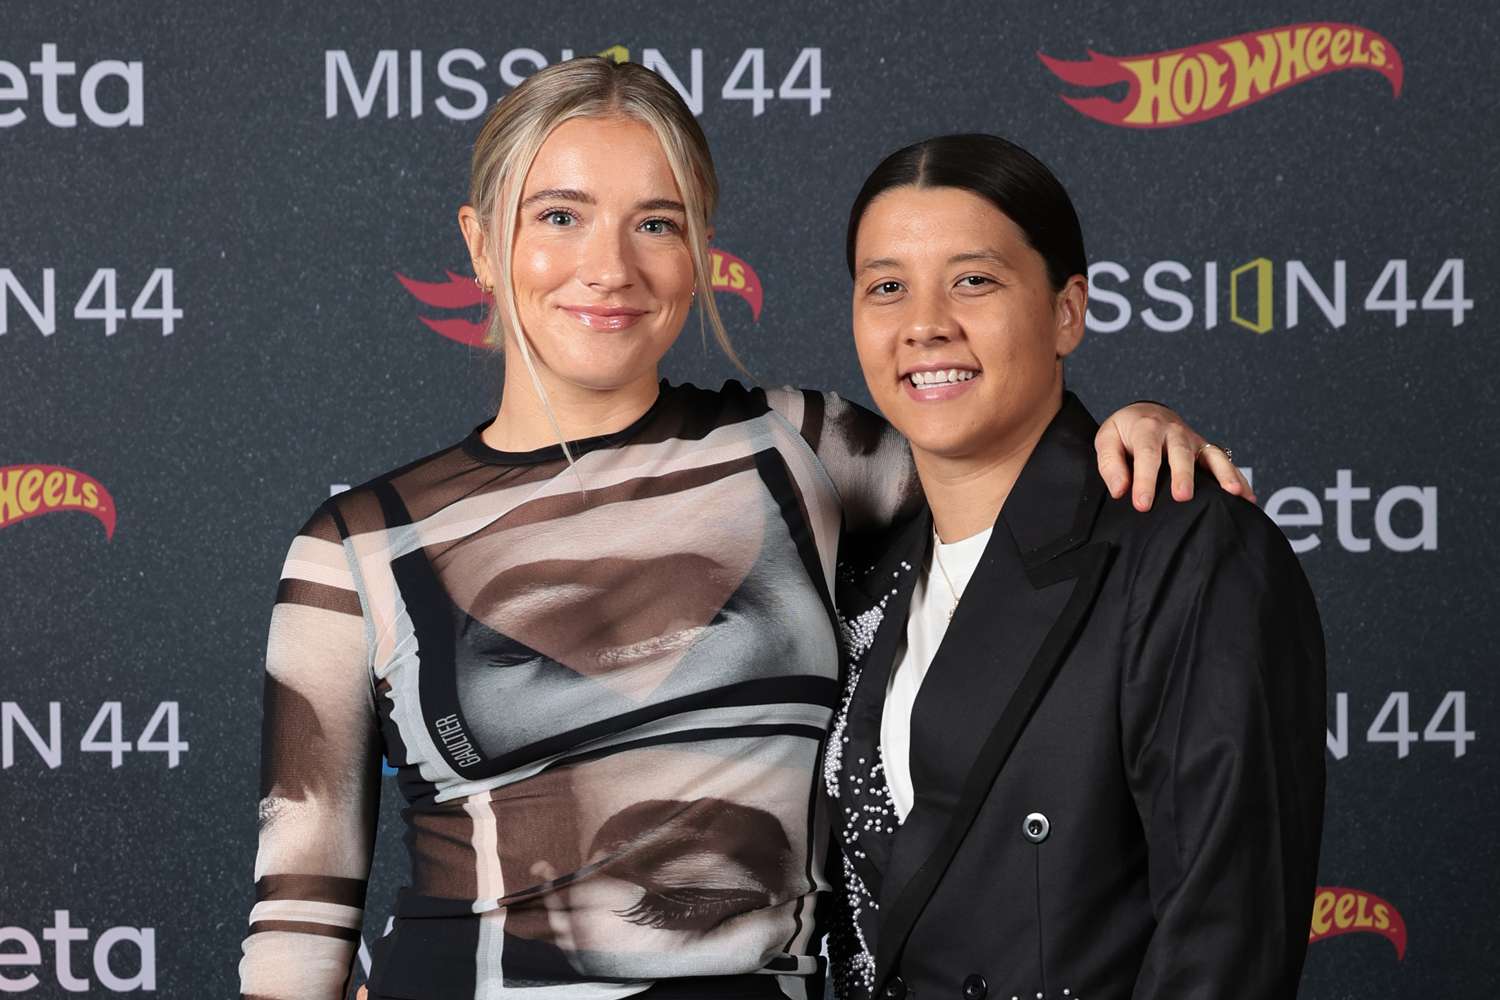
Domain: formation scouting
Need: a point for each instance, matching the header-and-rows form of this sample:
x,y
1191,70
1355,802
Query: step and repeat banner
x,y
232,281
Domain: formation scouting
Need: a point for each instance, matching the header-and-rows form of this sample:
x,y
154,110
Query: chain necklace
x,y
937,544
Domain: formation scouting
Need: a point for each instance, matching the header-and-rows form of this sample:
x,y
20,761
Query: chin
x,y
942,444
604,374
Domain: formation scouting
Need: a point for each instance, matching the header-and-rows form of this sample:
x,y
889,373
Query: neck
x,y
967,492
581,412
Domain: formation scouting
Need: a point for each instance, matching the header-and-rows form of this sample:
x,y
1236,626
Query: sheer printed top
x,y
605,701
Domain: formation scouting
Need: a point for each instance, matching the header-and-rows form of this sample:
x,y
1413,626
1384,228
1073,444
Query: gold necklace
x,y
937,544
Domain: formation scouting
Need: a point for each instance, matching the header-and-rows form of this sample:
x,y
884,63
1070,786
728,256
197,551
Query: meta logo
x,y
1301,510
123,84
463,93
1174,296
130,947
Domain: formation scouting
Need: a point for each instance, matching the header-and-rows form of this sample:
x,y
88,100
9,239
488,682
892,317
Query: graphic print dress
x,y
605,703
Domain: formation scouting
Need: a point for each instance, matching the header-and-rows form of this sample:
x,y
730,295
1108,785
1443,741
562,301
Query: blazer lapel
x,y
1026,601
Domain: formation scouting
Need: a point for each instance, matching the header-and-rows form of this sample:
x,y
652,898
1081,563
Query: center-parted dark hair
x,y
1001,173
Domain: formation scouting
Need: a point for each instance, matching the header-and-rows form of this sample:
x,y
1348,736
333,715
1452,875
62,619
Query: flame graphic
x,y
457,292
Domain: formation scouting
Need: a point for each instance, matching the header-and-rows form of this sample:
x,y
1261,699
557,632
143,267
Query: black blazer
x,y
1117,754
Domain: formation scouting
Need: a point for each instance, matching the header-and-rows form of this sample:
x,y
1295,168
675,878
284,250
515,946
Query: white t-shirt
x,y
926,624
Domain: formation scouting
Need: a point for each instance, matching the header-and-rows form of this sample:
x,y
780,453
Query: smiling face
x,y
959,331
601,266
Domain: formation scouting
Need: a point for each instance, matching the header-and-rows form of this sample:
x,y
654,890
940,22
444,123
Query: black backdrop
x,y
202,150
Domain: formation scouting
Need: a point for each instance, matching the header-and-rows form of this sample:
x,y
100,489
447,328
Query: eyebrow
x,y
584,198
878,262
987,255
990,256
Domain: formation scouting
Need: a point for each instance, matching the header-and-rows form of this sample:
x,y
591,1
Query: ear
x,y
468,223
1070,312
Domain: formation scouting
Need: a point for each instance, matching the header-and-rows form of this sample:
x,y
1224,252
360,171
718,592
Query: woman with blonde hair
x,y
596,636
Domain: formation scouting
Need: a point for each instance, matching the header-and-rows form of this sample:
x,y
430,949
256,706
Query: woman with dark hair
x,y
1080,752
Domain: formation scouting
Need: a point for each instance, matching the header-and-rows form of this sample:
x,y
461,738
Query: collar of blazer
x,y
1029,595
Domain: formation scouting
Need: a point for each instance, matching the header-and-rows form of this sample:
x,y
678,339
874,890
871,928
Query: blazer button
x,y
975,988
1036,828
895,989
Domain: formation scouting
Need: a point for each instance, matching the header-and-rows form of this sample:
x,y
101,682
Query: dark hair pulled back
x,y
997,170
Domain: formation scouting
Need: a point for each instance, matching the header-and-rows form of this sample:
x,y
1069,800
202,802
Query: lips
x,y
637,653
605,317
945,376
935,382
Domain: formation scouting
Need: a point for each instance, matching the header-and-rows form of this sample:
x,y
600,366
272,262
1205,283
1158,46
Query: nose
x,y
606,264
930,322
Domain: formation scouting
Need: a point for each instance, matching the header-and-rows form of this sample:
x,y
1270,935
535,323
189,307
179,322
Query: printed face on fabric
x,y
584,619
959,332
602,271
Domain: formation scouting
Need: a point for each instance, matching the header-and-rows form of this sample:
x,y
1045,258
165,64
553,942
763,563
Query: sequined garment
x,y
863,816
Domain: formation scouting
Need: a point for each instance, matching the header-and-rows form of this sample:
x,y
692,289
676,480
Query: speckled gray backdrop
x,y
300,361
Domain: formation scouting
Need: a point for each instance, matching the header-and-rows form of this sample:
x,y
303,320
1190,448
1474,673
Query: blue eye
x,y
659,227
558,217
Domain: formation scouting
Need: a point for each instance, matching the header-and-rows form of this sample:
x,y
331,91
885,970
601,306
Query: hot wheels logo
x,y
1194,84
31,490
728,274
1348,911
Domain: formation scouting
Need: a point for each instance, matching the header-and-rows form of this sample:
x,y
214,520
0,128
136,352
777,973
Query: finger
x,y
1230,478
1147,455
1113,466
362,994
1181,448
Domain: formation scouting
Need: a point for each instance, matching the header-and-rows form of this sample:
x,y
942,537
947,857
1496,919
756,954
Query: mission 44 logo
x,y
467,84
1262,295
98,300
1448,724
105,734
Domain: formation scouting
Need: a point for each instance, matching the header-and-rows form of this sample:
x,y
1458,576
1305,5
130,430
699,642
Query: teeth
x,y
940,377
